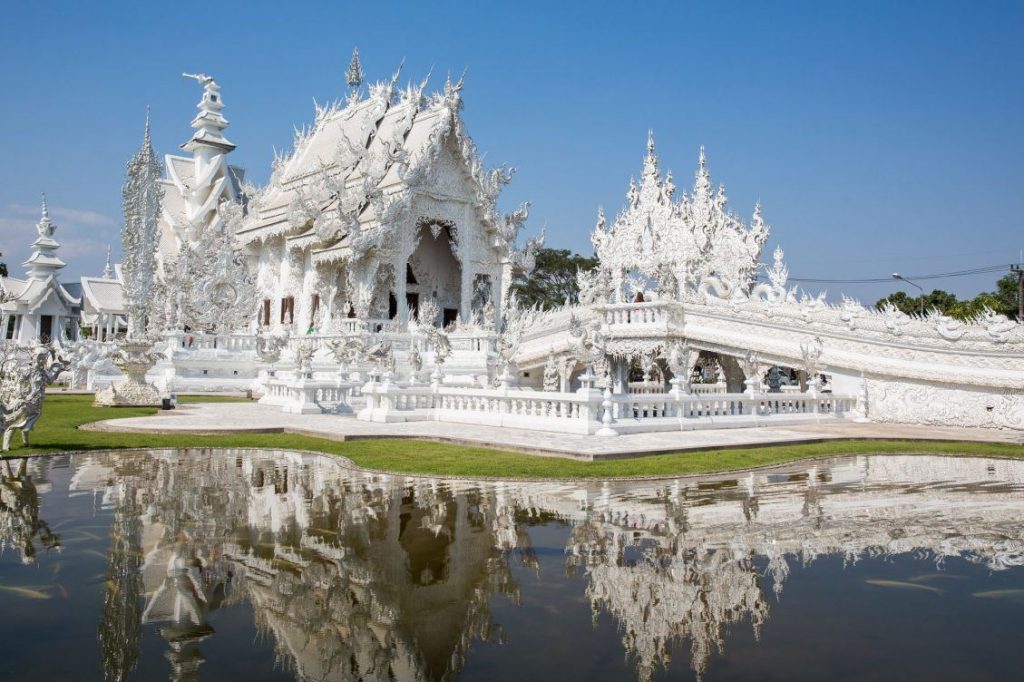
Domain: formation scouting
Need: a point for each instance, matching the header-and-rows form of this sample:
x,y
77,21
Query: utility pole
x,y
1019,271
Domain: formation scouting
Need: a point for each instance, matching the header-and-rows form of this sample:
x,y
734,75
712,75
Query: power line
x,y
879,280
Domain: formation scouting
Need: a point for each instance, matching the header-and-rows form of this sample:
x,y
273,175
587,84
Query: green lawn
x,y
57,430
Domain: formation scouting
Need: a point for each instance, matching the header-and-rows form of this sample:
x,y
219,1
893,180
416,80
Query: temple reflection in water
x,y
366,576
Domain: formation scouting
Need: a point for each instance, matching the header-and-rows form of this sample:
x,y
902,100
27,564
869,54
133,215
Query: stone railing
x,y
232,343
587,411
656,312
649,387
727,405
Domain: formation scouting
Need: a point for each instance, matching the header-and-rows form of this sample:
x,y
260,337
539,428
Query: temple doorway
x,y
433,273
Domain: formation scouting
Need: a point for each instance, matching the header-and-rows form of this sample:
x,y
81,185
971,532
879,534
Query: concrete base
x,y
220,418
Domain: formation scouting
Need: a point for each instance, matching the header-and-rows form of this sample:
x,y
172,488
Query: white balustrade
x,y
655,312
582,411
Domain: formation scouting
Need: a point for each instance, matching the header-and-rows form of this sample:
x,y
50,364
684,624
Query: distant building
x,y
103,309
39,308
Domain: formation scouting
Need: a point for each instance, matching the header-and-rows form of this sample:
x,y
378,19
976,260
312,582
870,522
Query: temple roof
x,y
366,144
31,293
103,295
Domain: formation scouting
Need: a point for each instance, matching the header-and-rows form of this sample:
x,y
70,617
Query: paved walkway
x,y
220,418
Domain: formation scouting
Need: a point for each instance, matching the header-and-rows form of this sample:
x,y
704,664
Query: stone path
x,y
219,418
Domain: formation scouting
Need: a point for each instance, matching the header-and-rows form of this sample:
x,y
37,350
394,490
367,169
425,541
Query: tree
x,y
3,267
1003,300
553,280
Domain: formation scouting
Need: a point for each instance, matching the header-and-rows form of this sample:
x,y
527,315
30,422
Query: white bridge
x,y
925,370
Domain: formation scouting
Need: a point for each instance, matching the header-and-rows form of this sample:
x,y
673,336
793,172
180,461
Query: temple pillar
x,y
400,289
498,294
465,290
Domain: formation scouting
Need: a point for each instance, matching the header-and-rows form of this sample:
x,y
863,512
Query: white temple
x,y
370,276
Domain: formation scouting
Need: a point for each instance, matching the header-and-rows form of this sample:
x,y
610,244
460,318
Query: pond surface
x,y
251,565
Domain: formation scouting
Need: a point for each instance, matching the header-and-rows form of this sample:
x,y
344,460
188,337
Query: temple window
x,y
266,312
314,306
288,310
410,277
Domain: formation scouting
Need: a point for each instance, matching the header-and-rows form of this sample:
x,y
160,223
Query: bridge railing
x,y
654,312
585,411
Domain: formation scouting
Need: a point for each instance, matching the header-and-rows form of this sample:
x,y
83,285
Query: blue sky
x,y
879,136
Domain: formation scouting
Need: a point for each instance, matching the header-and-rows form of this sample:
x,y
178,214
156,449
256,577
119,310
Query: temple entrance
x,y
433,273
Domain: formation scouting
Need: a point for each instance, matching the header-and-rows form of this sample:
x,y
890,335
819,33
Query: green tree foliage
x,y
3,267
553,280
1002,300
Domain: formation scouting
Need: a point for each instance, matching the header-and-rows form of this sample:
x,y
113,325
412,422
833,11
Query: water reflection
x,y
363,576
20,525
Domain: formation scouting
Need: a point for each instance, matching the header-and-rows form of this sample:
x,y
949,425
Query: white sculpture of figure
x,y
515,321
382,355
588,346
415,361
345,351
268,349
752,368
437,341
681,358
551,374
305,349
25,375
811,354
860,411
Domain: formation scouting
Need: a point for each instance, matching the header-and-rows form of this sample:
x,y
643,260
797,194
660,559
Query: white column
x,y
498,294
465,289
400,288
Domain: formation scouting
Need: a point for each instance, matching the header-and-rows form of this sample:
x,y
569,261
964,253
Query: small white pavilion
x,y
103,308
39,308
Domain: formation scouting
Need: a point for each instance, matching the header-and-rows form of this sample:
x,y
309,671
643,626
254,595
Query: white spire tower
x,y
210,182
108,270
44,263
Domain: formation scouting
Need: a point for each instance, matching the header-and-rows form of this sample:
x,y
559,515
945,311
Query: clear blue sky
x,y
879,136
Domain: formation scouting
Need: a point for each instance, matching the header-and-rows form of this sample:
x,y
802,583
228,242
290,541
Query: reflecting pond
x,y
262,565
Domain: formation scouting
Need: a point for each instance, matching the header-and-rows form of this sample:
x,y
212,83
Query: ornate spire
x,y
209,123
45,226
108,270
43,261
702,185
354,75
651,160
147,138
141,199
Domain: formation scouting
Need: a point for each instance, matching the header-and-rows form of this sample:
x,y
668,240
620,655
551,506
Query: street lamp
x,y
900,277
